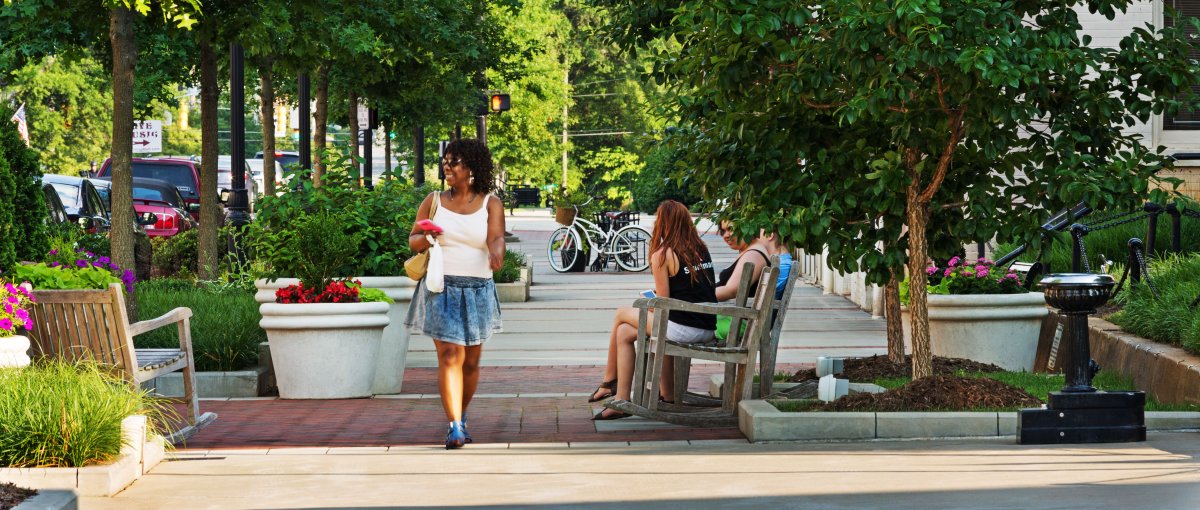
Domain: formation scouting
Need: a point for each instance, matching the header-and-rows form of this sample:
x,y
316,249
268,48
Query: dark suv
x,y
182,173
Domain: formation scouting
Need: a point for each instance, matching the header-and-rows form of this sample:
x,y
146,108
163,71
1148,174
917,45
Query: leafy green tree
x,y
22,196
837,125
67,104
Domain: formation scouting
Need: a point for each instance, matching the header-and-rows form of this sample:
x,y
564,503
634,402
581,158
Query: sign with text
x,y
147,136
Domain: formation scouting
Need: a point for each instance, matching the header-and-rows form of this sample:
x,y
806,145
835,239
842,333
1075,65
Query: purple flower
x,y
81,263
23,315
103,260
90,254
954,261
8,308
114,266
947,273
54,252
9,287
12,299
6,324
931,270
981,272
55,264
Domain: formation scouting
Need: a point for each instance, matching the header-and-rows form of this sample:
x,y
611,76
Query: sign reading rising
x,y
147,136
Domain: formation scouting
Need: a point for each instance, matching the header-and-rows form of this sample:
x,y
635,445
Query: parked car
x,y
256,171
172,213
80,201
287,160
182,173
225,179
56,212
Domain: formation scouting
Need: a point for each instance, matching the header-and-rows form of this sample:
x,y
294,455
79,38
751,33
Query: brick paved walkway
x,y
554,410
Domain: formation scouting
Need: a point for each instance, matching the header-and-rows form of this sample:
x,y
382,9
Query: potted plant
x,y
512,285
980,312
380,217
324,332
14,317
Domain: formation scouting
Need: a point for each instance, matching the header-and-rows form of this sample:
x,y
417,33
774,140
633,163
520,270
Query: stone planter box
x,y
761,421
518,291
1001,329
253,382
1169,374
137,458
393,347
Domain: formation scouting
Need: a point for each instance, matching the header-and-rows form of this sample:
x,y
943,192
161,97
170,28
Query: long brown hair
x,y
673,229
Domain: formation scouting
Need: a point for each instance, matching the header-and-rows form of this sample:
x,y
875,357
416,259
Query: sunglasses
x,y
452,162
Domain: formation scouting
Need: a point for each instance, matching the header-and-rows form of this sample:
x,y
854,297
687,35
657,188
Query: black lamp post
x,y
239,200
1079,413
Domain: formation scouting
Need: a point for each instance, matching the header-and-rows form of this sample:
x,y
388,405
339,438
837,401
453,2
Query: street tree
x,y
837,124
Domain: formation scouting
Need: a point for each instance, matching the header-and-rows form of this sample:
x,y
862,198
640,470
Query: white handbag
x,y
435,273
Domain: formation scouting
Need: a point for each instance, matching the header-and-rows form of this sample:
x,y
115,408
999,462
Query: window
x,y
1184,119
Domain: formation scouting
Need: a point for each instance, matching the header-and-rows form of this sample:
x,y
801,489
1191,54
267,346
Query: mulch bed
x,y
939,393
880,367
11,495
944,391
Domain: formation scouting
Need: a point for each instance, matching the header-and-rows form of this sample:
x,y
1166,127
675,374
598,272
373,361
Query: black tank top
x,y
699,291
728,272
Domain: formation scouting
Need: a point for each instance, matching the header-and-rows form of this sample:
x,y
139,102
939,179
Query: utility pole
x,y
567,81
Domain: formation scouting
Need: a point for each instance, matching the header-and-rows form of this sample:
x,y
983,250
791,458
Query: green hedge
x,y
225,332
1167,318
56,414
22,206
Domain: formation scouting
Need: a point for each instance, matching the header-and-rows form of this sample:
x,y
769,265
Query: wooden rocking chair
x,y
739,353
92,325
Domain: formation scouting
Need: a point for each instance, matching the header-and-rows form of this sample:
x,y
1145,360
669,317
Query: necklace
x,y
452,196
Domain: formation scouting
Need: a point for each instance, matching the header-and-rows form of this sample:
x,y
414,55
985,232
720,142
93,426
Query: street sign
x,y
147,136
364,118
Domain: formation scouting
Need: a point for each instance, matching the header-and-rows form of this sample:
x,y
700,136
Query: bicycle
x,y
627,245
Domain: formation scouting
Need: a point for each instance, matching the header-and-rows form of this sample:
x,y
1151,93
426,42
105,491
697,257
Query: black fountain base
x,y
1086,417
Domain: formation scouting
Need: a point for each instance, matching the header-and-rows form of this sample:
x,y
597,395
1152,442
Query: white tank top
x,y
464,241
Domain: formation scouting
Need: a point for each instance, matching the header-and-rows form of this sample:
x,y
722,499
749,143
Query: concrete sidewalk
x,y
536,447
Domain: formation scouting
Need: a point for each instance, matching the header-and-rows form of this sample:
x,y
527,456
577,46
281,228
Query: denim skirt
x,y
466,312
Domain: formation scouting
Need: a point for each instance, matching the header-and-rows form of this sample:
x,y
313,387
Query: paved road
x,y
536,448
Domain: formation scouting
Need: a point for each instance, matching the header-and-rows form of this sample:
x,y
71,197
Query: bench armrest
x,y
171,317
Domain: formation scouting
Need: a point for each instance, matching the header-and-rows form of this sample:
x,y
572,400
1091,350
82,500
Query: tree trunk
x,y
267,95
354,132
124,58
210,209
918,252
320,118
891,313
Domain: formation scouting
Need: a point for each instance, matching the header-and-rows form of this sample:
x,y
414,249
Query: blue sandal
x,y
455,437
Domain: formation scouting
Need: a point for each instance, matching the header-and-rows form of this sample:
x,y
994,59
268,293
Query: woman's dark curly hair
x,y
476,156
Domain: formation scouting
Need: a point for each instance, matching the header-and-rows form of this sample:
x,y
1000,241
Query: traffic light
x,y
500,103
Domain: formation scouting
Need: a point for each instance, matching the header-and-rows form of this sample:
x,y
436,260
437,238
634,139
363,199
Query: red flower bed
x,y
341,291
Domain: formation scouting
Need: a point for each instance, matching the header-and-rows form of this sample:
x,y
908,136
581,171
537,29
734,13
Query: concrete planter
x,y
393,347
14,351
1001,329
50,500
518,291
324,350
138,456
253,382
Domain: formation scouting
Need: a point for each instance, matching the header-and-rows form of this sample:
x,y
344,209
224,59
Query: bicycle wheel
x,y
563,249
631,246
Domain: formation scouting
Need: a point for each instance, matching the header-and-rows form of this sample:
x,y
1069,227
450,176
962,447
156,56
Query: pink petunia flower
x,y
954,261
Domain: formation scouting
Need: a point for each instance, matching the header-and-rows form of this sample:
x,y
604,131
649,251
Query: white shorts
x,y
688,335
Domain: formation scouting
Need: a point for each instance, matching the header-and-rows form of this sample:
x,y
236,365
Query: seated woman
x,y
682,269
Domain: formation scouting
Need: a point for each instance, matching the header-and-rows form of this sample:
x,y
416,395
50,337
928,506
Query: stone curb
x,y
51,500
1169,374
760,421
137,457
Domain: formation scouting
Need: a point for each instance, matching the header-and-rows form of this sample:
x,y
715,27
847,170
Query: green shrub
x,y
225,332
1167,318
511,270
44,277
176,255
22,196
63,415
1110,243
380,218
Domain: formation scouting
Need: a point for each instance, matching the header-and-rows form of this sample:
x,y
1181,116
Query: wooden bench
x,y
92,325
739,353
768,345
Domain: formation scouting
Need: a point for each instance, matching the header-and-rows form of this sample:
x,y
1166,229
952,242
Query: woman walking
x,y
466,313
683,270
